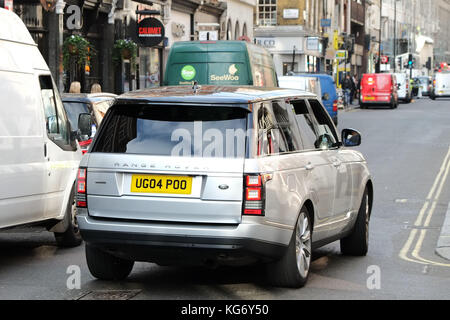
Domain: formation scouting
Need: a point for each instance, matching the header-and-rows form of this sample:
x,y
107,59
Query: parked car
x,y
158,190
219,63
378,89
40,153
329,94
96,104
404,87
441,85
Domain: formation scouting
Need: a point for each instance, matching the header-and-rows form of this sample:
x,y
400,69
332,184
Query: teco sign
x,y
150,32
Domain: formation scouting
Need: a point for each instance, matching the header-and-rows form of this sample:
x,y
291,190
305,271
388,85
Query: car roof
x,y
87,97
209,94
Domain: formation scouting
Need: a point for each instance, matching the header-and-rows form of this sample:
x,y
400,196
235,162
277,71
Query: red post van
x,y
378,89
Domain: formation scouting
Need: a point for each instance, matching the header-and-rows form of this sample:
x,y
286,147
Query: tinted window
x,y
325,131
74,109
285,126
270,140
175,131
305,124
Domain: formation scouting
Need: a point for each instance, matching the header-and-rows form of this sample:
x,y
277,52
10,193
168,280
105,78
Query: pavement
x,y
443,245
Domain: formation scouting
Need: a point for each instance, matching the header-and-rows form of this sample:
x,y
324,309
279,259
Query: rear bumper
x,y
168,243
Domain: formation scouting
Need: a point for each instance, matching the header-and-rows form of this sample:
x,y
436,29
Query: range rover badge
x,y
223,187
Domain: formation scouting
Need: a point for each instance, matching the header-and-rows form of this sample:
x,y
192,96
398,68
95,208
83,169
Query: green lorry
x,y
220,63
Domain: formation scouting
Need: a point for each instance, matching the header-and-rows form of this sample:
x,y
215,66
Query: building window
x,y
267,12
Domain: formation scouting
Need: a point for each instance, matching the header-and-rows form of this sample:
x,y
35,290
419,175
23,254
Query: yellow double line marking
x,y
431,202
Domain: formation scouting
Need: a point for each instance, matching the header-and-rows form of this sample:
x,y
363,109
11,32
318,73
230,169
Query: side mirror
x,y
326,96
85,124
351,138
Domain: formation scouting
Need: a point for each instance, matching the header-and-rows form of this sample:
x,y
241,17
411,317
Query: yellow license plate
x,y
369,98
161,184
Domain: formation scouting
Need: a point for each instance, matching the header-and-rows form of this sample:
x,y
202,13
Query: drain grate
x,y
110,295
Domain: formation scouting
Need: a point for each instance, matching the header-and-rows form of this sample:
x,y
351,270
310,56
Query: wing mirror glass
x,y
85,125
351,138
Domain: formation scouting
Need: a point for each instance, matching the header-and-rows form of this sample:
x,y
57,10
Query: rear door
x,y
443,84
170,164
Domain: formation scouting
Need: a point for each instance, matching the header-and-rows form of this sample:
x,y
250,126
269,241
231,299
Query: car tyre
x,y
357,243
292,270
72,236
105,266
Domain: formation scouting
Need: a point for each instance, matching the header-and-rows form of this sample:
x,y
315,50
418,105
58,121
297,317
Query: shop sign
x,y
290,14
312,44
341,54
266,42
325,23
150,32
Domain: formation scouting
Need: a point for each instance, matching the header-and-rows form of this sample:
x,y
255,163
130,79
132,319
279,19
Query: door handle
x,y
309,167
45,150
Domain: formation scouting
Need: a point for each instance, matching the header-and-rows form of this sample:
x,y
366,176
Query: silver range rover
x,y
221,176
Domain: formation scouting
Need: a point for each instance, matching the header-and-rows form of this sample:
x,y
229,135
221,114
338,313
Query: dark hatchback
x,y
95,104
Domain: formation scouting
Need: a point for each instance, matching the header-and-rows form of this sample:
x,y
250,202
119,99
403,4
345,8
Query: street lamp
x,y
395,35
60,4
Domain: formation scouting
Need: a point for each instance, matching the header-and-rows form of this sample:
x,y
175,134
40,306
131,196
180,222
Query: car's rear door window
x,y
175,130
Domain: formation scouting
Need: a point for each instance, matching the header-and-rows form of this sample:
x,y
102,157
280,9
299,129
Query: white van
x,y
404,87
39,153
441,86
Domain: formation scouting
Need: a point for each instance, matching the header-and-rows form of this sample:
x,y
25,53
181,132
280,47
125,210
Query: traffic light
x,y
410,61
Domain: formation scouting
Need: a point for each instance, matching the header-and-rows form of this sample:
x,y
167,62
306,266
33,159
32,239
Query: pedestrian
x,y
96,88
75,87
353,89
347,87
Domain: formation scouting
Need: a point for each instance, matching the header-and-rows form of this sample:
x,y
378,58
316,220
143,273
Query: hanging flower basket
x,y
125,49
126,53
77,47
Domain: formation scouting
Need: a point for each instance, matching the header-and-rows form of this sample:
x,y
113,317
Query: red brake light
x,y
253,181
254,195
81,199
335,106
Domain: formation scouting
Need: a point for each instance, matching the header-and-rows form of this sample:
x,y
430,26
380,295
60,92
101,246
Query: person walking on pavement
x,y
353,89
347,87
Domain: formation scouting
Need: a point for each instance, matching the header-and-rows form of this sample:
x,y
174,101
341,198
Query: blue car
x,y
329,94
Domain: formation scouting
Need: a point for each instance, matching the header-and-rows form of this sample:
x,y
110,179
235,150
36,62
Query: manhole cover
x,y
110,295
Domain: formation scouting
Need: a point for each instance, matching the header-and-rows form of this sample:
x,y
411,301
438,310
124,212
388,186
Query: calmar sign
x,y
150,32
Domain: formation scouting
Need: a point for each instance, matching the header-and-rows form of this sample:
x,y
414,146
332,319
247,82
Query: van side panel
x,y
22,165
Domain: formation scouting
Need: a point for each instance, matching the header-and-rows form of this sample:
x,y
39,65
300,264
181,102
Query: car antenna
x,y
196,87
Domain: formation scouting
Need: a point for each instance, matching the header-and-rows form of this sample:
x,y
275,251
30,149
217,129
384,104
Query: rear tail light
x,y
81,198
254,196
86,143
335,106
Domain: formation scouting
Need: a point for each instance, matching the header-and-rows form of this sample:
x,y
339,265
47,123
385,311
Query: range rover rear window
x,y
192,131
